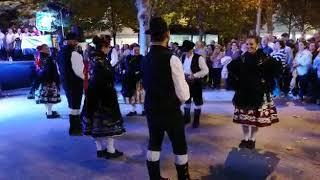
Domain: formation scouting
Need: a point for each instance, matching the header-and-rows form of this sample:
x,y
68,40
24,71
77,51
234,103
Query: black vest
x,y
194,62
160,96
69,78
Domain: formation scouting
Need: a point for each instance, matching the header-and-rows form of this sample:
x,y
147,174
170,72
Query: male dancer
x,y
166,88
71,70
195,68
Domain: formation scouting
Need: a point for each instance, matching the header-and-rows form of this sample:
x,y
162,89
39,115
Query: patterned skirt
x,y
48,93
259,117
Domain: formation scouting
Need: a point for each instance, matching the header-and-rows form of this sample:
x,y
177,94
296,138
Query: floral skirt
x,y
259,117
48,93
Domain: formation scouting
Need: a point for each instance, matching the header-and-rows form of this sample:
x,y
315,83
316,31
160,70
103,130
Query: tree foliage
x,y
300,14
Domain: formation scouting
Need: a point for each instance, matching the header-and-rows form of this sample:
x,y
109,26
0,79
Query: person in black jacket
x,y
132,85
49,82
252,76
101,113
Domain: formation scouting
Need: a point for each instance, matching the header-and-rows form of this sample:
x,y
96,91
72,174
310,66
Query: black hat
x,y
158,26
187,45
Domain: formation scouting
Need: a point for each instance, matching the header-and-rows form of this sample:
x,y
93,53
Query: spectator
x,y
265,46
216,65
25,32
10,43
316,68
302,64
283,81
2,46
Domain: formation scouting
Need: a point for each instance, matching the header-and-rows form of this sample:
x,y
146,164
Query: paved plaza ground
x,y
35,148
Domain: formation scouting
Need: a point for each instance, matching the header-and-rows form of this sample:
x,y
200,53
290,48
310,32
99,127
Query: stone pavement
x,y
35,148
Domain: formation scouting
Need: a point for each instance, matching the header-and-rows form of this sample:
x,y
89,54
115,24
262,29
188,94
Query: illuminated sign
x,y
44,21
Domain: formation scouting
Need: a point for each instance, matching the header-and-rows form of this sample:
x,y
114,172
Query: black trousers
x,y
173,125
316,89
74,94
35,80
284,81
301,88
216,77
195,89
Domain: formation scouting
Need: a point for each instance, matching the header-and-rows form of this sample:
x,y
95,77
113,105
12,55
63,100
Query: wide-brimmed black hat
x,y
158,26
187,45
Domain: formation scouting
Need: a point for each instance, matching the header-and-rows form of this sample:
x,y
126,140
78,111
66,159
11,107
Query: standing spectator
x,y
316,68
26,32
176,50
10,43
132,85
283,81
2,46
265,46
200,49
35,32
17,52
313,49
253,75
216,65
209,50
302,63
230,55
243,48
49,82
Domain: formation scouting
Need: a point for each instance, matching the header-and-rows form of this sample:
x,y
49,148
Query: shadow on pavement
x,y
244,164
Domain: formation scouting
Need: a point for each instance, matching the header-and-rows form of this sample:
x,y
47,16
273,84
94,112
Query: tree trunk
x,y
258,25
114,36
290,23
143,7
201,34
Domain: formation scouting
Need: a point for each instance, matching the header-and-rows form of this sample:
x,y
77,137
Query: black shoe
x,y
75,128
154,170
251,144
134,113
55,112
52,116
183,172
116,154
186,115
244,144
31,96
196,120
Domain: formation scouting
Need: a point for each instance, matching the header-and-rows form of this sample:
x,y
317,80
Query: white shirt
x,y
204,70
10,38
114,57
289,53
77,64
304,60
2,36
180,84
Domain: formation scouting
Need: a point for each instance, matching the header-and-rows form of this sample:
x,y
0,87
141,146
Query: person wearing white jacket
x,y
302,64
